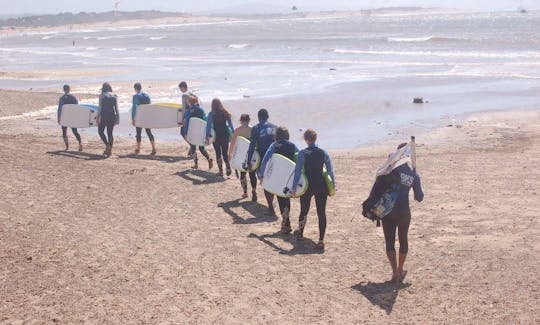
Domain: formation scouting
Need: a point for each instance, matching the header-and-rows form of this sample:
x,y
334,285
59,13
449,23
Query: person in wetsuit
x,y
244,130
400,217
139,98
68,98
220,120
262,136
195,110
108,116
312,159
284,147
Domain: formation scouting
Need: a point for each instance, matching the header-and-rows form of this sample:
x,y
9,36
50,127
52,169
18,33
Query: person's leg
x,y
193,153
403,234
152,140
389,229
284,209
217,149
320,202
110,129
101,132
78,137
225,152
138,132
243,183
253,181
202,149
64,136
305,202
270,200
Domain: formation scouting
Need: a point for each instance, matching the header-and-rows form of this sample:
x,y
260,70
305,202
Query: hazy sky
x,y
194,6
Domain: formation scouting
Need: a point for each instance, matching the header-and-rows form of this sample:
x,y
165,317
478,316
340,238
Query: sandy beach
x,y
140,239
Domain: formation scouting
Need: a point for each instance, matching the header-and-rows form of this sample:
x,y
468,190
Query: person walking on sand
x,y
185,96
139,98
401,179
195,110
68,98
244,130
284,147
220,120
262,136
312,159
108,116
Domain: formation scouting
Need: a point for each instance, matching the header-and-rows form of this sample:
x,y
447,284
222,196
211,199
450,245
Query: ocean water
x,y
276,57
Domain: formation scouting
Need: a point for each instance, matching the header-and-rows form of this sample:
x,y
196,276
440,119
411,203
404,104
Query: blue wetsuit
x,y
400,216
312,159
195,111
138,99
262,136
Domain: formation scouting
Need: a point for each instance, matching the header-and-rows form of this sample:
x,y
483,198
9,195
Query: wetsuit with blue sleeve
x,y
262,136
222,124
67,99
400,216
138,99
312,159
195,111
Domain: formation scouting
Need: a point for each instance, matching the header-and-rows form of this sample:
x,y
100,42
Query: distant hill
x,y
68,18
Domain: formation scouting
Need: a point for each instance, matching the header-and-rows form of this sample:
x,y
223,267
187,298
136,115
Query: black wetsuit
x,y
68,99
197,111
287,149
108,117
400,216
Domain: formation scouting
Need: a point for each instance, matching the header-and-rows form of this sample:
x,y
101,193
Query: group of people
x,y
266,139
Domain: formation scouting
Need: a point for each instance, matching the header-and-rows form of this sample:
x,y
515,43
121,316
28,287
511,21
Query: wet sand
x,y
136,239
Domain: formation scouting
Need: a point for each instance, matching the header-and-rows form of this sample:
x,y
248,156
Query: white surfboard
x,y
79,115
240,153
196,134
278,177
159,116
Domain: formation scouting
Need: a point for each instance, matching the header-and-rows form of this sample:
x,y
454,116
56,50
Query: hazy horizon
x,y
35,7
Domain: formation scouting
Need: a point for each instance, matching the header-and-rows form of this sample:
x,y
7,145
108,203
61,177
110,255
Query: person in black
x,y
195,110
219,119
400,217
284,147
68,99
312,159
108,116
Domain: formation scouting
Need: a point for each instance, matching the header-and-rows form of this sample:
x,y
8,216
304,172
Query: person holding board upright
x,y
68,98
139,98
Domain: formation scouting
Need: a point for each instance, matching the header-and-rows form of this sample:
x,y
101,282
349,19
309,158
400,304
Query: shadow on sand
x,y
200,177
255,209
382,294
167,159
302,246
77,154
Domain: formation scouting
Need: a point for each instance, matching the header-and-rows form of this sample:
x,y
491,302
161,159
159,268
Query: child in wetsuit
x,y
68,98
195,110
219,119
312,159
139,98
244,130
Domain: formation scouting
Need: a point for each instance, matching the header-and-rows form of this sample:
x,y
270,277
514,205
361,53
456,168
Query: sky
x,y
10,7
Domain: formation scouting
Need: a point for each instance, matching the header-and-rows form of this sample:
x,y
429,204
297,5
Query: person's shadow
x,y
77,155
255,209
304,246
382,294
163,158
200,177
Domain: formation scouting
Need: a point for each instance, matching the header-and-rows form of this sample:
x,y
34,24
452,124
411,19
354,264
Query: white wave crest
x,y
239,46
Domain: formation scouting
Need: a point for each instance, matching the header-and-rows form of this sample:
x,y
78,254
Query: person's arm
x,y
209,125
267,155
417,188
254,138
134,107
329,168
229,121
233,142
76,100
59,111
298,171
115,105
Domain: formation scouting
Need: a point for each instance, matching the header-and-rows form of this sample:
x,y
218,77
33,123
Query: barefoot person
x,y
312,159
284,147
185,93
402,178
219,119
68,98
244,130
195,110
262,136
139,98
108,116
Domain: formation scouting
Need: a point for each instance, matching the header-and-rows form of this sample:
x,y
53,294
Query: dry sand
x,y
147,240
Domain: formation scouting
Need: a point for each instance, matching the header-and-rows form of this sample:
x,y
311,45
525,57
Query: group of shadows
x,y
381,294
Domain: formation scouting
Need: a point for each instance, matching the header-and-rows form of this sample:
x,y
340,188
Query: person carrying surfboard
x,y
108,116
284,147
139,98
68,98
185,96
244,130
397,174
312,159
195,110
219,119
262,136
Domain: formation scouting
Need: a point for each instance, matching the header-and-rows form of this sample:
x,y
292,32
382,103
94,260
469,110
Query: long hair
x,y
218,108
106,88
